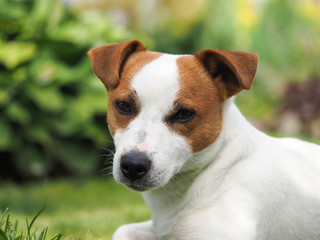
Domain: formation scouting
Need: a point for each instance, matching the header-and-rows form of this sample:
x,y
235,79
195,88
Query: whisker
x,y
107,170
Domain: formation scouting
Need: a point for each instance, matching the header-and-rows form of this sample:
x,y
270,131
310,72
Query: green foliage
x,y
288,40
52,106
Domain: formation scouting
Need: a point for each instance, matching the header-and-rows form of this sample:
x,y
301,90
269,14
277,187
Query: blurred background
x,y
53,133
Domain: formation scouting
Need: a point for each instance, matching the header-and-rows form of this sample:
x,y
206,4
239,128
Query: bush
x,y
52,106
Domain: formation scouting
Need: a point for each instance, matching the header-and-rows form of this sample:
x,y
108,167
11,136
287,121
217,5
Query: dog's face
x,y
163,108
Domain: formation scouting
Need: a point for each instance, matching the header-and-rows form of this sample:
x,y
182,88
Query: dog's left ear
x,y
235,70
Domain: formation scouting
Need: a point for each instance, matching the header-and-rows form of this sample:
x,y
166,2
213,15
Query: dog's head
x,y
163,108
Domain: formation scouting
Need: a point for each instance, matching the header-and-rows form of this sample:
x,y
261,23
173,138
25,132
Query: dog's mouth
x,y
137,187
140,185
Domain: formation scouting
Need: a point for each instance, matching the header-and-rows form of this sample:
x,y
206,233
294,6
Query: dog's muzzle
x,y
134,165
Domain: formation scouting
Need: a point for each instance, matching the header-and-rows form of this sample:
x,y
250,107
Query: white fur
x,y
246,185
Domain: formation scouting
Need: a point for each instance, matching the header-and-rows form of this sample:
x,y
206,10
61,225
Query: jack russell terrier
x,y
204,171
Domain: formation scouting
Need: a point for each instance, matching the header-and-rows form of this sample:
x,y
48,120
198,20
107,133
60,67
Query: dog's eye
x,y
123,107
184,115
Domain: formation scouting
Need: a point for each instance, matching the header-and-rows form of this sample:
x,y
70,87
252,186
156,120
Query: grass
x,y
9,231
73,207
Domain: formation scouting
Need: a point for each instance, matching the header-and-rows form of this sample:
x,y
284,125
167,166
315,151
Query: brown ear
x,y
236,70
108,60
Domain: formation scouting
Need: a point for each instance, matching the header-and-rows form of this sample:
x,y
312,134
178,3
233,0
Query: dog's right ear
x,y
108,60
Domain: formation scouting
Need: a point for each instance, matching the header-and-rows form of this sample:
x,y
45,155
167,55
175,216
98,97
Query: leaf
x,y
46,98
4,98
75,73
39,133
5,135
14,53
30,160
18,113
80,157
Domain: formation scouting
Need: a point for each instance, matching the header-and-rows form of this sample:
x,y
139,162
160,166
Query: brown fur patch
x,y
123,91
201,93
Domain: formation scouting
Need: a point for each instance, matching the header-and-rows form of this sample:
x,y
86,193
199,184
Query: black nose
x,y
134,165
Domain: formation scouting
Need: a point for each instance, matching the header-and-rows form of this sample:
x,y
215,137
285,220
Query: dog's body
x,y
205,172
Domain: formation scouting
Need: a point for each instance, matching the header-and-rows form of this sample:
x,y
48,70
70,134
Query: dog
x,y
204,171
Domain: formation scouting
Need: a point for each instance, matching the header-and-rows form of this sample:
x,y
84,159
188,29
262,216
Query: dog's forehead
x,y
158,82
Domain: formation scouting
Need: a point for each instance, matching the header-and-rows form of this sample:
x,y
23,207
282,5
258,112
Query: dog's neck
x,y
237,139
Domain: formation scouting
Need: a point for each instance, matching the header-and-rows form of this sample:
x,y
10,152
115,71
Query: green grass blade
x,y
15,227
57,237
29,226
43,234
3,236
13,235
15,230
7,225
33,235
28,229
5,212
20,236
35,217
